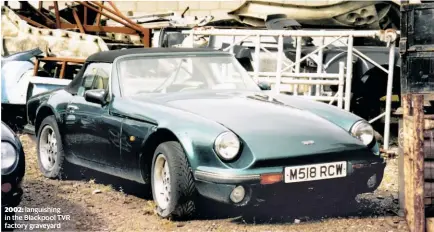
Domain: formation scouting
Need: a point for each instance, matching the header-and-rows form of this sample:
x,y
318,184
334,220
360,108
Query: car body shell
x,y
117,137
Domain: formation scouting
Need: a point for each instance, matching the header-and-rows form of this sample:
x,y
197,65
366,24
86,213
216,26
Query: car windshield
x,y
178,74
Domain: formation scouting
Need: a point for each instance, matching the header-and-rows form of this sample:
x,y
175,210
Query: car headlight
x,y
363,131
227,145
9,158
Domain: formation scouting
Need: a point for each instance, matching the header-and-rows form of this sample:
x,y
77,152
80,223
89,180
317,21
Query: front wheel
x,y
51,159
173,186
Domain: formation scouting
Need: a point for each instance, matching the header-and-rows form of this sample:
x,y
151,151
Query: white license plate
x,y
315,172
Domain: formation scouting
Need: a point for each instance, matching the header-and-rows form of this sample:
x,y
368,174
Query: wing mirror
x,y
97,96
264,85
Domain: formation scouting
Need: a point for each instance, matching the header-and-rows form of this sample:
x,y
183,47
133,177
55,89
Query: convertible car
x,y
192,123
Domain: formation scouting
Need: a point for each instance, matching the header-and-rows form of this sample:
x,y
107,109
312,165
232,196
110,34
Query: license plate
x,y
315,172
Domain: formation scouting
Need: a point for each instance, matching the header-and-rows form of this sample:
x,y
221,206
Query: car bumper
x,y
219,185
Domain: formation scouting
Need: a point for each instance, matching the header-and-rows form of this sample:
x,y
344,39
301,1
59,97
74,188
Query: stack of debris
x,y
78,30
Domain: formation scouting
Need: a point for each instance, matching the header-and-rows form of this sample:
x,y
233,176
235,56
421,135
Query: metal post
x,y
376,118
192,38
297,61
279,64
233,44
341,84
320,65
389,95
349,73
257,51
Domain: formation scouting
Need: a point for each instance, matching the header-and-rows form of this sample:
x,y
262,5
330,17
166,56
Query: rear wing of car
x,y
43,84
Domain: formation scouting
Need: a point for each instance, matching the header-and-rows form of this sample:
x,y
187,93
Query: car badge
x,y
308,142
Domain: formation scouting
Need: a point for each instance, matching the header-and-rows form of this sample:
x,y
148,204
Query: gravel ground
x,y
97,202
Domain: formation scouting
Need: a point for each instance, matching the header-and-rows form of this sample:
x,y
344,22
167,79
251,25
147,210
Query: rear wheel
x,y
173,186
51,159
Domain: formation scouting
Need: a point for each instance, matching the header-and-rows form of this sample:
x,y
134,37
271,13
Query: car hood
x,y
269,128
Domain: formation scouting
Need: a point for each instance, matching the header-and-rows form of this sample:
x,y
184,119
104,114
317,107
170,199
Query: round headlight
x,y
227,145
9,158
363,131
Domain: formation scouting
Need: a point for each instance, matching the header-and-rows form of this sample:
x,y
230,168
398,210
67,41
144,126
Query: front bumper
x,y
219,185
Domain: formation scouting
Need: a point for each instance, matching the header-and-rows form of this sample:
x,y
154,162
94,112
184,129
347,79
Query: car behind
x,y
13,168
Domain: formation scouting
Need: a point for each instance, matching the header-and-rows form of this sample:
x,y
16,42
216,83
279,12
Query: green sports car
x,y
192,123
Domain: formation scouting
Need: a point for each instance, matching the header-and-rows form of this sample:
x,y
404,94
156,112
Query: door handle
x,y
71,108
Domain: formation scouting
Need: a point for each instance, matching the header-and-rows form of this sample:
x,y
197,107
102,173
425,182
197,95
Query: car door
x,y
91,132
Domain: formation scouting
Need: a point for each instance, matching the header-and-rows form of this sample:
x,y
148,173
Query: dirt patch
x,y
95,201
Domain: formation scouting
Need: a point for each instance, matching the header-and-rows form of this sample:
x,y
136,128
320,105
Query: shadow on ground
x,y
42,195
303,209
74,172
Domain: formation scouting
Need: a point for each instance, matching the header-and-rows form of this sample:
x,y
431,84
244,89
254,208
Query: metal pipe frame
x,y
349,73
311,53
293,33
257,56
287,80
321,98
267,51
319,65
236,43
341,84
389,95
301,75
279,63
297,60
376,118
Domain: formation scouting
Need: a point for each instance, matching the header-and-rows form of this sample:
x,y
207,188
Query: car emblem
x,y
308,142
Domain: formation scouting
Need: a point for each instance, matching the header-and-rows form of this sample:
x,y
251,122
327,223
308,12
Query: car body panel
x,y
90,132
343,14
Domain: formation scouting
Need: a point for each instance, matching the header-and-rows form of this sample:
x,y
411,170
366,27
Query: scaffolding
x,y
288,76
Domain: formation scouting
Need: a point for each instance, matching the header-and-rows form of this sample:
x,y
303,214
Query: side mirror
x,y
97,96
264,86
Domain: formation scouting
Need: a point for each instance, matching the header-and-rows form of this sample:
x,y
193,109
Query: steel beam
x,y
77,20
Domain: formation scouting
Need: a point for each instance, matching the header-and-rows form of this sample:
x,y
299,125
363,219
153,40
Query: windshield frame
x,y
118,60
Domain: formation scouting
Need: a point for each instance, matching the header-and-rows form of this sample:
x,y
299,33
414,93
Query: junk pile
x,y
78,30
19,36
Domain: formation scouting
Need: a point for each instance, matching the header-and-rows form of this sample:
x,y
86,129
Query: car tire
x,y
51,161
175,196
